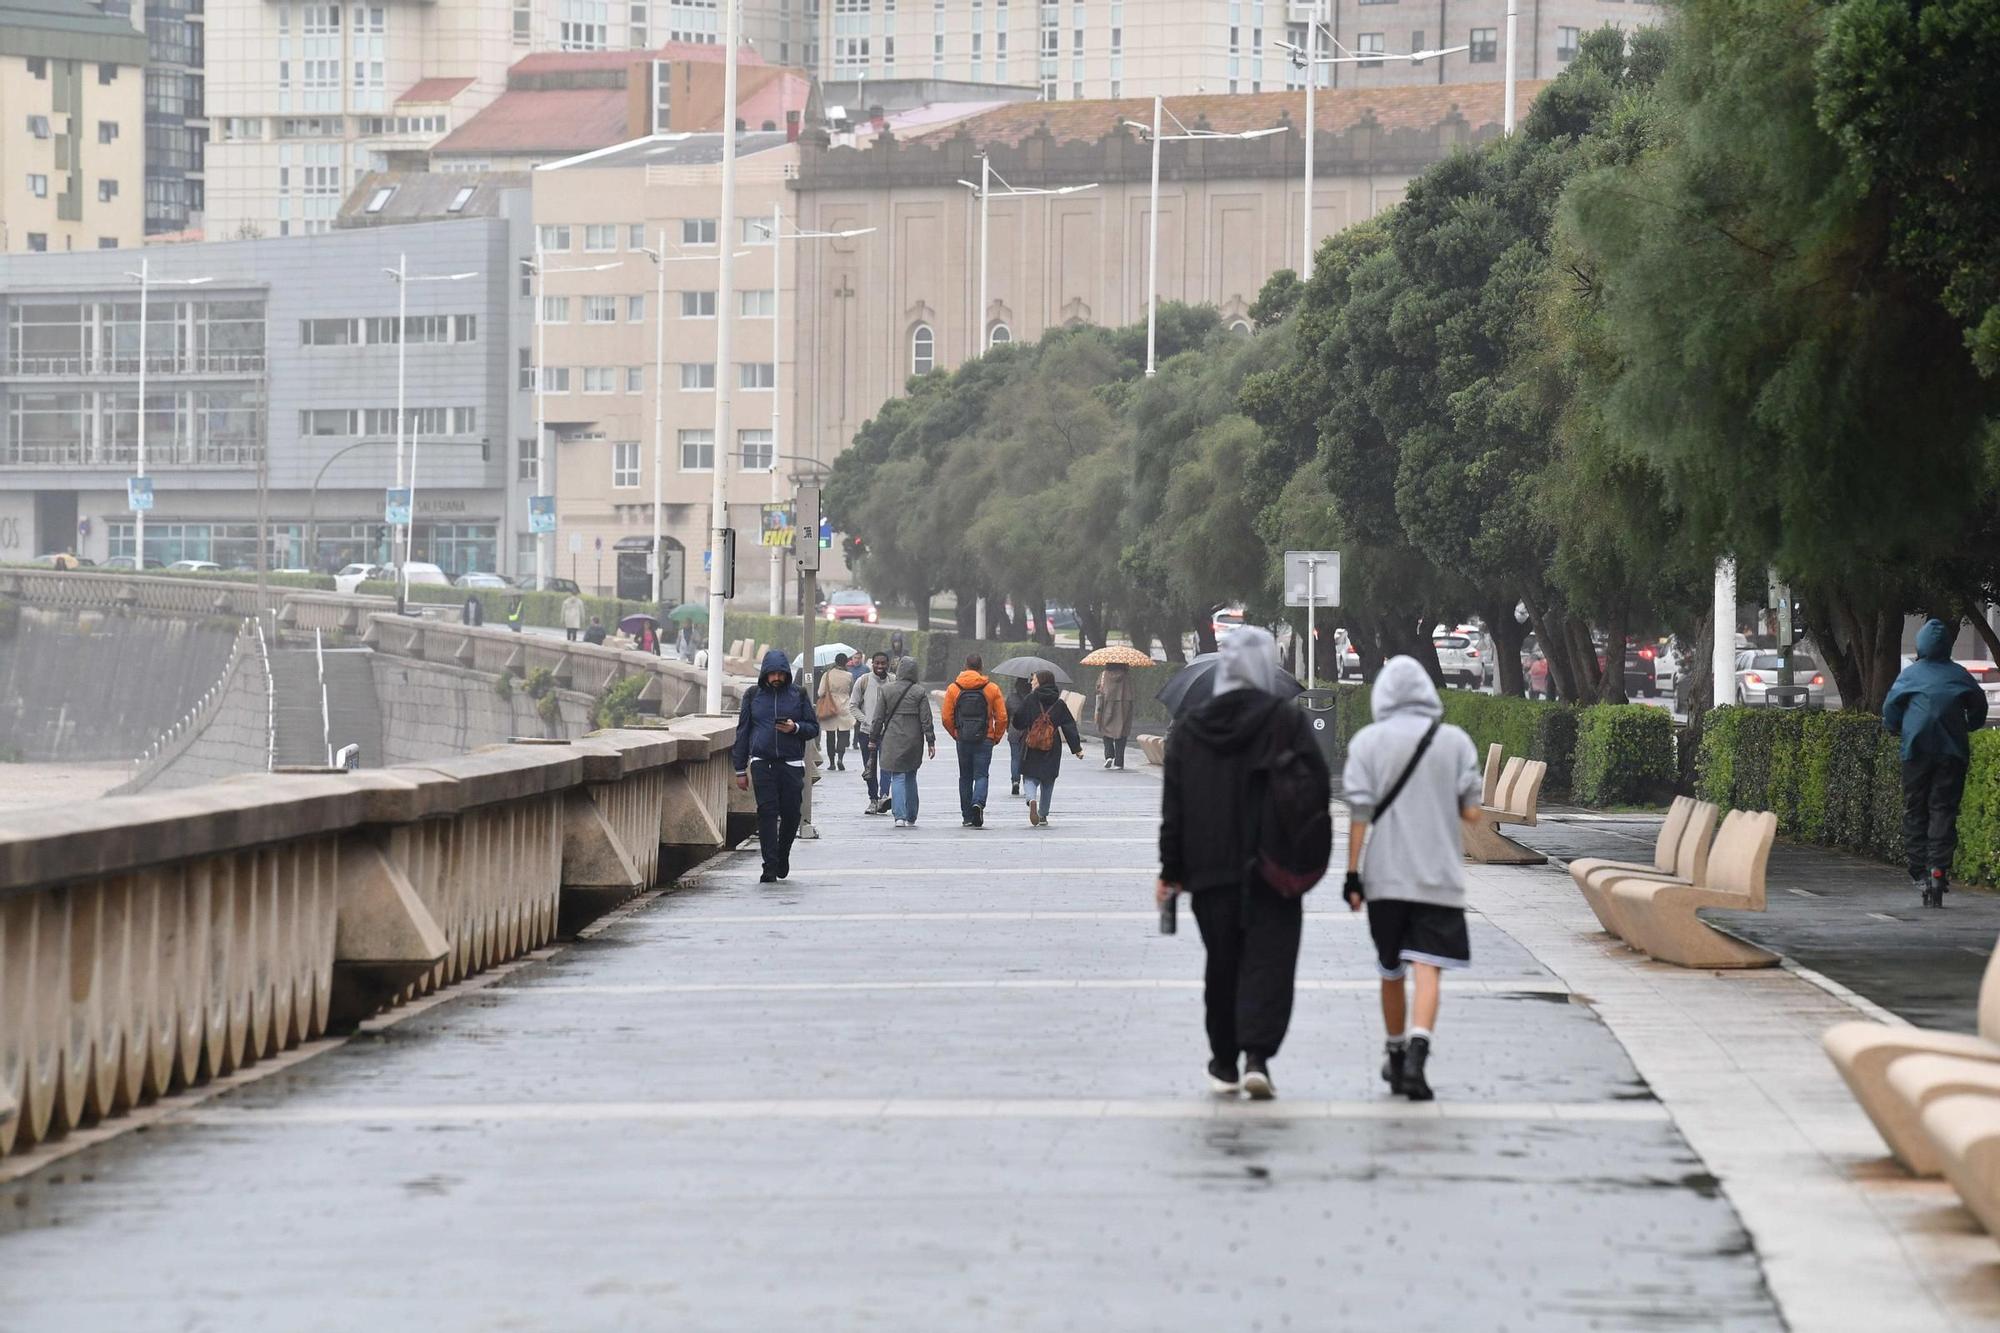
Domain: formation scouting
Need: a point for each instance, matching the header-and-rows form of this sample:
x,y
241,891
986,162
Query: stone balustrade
x,y
151,943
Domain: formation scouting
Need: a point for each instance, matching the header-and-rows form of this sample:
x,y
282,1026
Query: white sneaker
x,y
902,823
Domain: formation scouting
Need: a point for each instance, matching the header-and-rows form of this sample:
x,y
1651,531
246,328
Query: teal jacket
x,y
1935,703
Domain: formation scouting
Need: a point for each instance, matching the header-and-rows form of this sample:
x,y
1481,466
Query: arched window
x,y
923,350
1001,334
1241,326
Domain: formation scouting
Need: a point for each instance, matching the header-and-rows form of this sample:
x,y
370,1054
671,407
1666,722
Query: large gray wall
x,y
233,737
430,711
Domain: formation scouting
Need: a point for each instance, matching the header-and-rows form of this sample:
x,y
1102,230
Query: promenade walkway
x,y
951,1079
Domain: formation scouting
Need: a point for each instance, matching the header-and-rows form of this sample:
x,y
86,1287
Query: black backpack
x,y
1294,819
972,714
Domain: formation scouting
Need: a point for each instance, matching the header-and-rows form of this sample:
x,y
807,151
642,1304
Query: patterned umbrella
x,y
1119,654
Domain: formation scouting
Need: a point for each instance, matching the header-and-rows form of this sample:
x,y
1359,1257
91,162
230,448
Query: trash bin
x,y
1322,709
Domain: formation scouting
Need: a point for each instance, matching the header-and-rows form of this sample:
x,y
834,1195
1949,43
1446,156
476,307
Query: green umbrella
x,y
688,611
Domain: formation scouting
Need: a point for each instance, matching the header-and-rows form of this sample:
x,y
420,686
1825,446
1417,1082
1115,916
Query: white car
x,y
420,572
1459,659
476,580
351,577
194,567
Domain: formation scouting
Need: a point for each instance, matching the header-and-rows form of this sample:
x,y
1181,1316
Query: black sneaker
x,y
1415,1086
1392,1065
1935,889
767,878
1016,789
1257,1080
979,816
1223,1078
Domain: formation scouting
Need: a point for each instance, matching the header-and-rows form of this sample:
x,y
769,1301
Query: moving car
x,y
1757,682
421,572
1458,658
1641,670
1225,619
852,604
194,567
1988,676
129,562
478,580
351,577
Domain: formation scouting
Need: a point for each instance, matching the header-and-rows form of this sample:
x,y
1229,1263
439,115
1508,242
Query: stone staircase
x,y
353,715
352,706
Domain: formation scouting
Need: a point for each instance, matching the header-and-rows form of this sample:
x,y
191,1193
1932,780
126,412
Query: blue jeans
x,y
903,796
974,759
1015,745
1039,792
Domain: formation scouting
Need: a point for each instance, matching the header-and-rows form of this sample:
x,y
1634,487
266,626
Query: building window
x,y
555,238
757,304
1567,40
697,376
756,375
555,310
1485,46
38,185
600,379
923,350
524,22
697,231
1416,44
600,237
107,190
600,310
635,309
38,241
635,236
755,450
697,450
525,370
624,464
107,242
1001,334
107,74
753,231
1371,44
585,25
557,378
697,305
525,462
38,67
1240,327
38,126
635,379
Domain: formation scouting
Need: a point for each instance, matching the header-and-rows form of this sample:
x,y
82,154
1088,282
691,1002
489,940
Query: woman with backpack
x,y
1209,846
1045,726
903,733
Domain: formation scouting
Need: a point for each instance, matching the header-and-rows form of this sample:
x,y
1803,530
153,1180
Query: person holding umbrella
x,y
1116,698
1046,725
1021,670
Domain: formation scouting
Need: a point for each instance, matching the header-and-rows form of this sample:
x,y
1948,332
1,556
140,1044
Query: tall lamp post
x,y
985,193
1160,112
777,238
144,277
402,277
545,541
725,297
1311,61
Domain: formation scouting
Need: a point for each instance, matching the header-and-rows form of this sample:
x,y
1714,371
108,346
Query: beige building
x,y
72,128
903,300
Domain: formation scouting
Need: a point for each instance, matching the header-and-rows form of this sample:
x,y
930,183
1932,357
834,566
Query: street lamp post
x,y
725,296
402,277
985,193
1153,212
144,277
545,541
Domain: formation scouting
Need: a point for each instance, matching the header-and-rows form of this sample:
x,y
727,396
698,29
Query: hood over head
x,y
1048,693
1404,687
907,670
969,679
1934,641
775,660
1249,662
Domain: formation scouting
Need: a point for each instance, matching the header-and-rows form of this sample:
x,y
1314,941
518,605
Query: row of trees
x,y
1733,288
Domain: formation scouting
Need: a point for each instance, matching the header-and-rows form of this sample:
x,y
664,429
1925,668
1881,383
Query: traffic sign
x,y
1312,578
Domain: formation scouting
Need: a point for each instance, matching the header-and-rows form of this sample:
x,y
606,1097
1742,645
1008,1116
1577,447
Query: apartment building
x,y
176,112
72,122
270,399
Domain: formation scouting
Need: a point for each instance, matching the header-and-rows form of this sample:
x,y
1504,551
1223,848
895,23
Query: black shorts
x,y
1407,932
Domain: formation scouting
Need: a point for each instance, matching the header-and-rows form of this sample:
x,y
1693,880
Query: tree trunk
x,y
1090,624
1584,668
1506,634
1043,634
1542,617
1984,630
1831,625
967,615
1611,684
924,610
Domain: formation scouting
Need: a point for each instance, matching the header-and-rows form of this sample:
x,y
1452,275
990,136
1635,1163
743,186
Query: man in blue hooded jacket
x,y
1933,706
774,729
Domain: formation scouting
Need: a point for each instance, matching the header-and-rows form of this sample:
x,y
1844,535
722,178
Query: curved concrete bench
x,y
1915,1081
1689,865
1513,792
1666,848
1966,1131
1864,1053
1155,750
1658,917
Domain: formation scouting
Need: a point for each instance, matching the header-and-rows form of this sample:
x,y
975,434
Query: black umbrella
x,y
1024,667
1194,685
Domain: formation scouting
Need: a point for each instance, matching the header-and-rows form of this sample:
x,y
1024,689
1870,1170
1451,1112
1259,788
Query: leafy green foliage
x,y
619,703
1624,755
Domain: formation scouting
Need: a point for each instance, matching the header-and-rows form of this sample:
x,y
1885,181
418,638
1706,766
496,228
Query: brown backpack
x,y
1042,731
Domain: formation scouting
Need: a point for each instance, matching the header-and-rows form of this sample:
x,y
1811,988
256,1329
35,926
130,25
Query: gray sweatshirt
x,y
1417,852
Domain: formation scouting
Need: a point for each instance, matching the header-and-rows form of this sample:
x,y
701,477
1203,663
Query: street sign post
x,y
1312,578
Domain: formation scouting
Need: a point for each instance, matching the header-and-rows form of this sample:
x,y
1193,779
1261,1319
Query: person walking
x,y
1117,697
1208,847
1017,699
595,634
1046,725
514,615
1934,706
836,714
684,642
975,715
572,617
1410,782
865,701
473,613
774,727
903,735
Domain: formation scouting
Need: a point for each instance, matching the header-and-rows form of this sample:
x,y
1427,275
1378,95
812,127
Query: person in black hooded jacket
x,y
1040,768
1207,845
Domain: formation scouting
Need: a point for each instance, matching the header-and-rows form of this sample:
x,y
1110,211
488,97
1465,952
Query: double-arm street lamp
x,y
777,238
985,193
545,541
144,277
402,277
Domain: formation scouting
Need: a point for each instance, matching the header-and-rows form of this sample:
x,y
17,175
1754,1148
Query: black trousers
x,y
1114,749
1932,785
780,790
836,743
870,753
1253,953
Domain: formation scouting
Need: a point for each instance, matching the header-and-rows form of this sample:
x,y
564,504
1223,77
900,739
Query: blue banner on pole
x,y
541,513
139,494
396,507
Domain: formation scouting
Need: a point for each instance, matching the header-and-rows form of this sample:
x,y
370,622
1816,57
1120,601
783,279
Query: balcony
x,y
36,365
122,459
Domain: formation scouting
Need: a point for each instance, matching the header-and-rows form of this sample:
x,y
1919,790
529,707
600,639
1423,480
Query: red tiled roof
x,y
566,120
557,62
1416,107
434,90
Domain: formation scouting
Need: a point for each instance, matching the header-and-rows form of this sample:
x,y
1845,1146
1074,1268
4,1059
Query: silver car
x,y
1458,659
1757,682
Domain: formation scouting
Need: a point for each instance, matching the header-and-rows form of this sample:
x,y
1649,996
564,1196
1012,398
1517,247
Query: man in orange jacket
x,y
975,715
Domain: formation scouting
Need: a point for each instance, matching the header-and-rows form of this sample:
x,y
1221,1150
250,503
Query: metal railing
x,y
203,706
165,454
161,363
325,709
270,703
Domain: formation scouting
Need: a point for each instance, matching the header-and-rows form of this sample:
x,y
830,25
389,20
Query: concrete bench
x,y
1155,750
1865,1053
1657,917
1965,1128
1512,795
1680,855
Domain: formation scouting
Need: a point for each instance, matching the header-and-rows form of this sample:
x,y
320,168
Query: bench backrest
x,y
1491,791
1667,850
1697,838
1526,793
1509,775
1742,850
1989,998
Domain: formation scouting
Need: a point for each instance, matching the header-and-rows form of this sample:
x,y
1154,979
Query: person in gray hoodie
x,y
904,734
1410,782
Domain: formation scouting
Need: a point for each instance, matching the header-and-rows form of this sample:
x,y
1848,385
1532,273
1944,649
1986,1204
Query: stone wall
x,y
234,737
431,711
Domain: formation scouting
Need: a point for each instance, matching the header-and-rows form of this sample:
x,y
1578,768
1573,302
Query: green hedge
x,y
1624,755
537,608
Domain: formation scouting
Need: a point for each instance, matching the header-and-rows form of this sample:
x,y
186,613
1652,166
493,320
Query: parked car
x,y
1349,656
1667,664
1060,618
1757,682
1458,658
1225,619
852,604
194,567
129,562
61,560
350,577
421,572
1988,676
1642,670
474,579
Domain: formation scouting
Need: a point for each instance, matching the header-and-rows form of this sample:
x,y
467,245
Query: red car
x,y
853,604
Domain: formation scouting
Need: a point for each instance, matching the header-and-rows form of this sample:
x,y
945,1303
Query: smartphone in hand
x,y
1170,914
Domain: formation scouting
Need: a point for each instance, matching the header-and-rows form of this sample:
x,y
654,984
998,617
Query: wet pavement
x,y
943,1079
